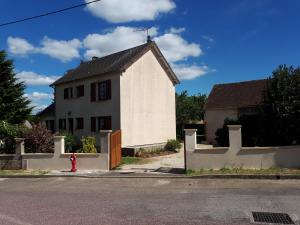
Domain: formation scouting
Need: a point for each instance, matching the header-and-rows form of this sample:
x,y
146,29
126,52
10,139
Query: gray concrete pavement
x,y
63,201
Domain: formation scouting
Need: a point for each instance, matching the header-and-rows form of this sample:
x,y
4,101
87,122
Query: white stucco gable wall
x,y
147,103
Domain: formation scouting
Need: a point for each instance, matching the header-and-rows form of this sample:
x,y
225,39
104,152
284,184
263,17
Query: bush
x,y
70,141
8,133
222,135
172,145
39,140
88,145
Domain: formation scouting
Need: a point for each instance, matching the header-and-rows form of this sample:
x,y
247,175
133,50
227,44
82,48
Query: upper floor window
x,y
101,91
68,93
80,91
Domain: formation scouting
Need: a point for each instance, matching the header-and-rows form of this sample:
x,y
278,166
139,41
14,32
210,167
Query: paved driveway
x,y
89,201
168,161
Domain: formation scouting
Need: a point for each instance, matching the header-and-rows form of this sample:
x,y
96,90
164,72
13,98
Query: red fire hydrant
x,y
73,159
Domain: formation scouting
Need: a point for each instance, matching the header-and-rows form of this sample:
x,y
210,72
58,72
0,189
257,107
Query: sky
x,y
205,42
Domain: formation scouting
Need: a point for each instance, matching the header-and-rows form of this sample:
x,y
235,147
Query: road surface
x,y
85,201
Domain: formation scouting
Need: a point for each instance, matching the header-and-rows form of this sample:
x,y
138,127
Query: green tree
x,y
14,107
281,107
188,108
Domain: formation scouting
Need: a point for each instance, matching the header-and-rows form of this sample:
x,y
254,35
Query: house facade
x,y
231,101
132,90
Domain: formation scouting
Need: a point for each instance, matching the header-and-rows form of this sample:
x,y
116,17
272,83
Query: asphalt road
x,y
63,201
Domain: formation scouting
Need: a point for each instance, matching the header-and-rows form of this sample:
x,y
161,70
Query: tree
x,y
188,108
281,107
14,107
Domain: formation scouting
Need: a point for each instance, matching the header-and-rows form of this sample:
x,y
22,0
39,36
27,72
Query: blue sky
x,y
206,42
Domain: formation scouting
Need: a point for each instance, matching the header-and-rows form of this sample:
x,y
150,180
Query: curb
x,y
215,176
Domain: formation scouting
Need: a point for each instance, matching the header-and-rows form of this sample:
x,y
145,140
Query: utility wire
x,y
48,13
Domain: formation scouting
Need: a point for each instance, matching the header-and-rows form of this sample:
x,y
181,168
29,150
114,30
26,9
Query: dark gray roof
x,y
49,111
119,61
236,95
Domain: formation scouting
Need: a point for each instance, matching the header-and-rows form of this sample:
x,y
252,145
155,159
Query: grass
x,y
22,172
242,171
134,160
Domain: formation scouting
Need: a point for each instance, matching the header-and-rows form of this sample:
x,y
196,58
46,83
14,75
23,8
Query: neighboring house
x,y
48,117
131,90
230,101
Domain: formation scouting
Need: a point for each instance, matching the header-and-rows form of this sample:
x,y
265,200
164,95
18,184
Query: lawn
x,y
134,160
22,172
241,171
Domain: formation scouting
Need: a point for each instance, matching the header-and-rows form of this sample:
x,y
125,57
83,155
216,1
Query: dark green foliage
x,y
188,108
8,133
222,135
70,141
173,145
39,139
88,145
14,107
280,111
278,119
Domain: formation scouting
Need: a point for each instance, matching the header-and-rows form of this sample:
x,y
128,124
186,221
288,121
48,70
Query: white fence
x,y
59,160
236,156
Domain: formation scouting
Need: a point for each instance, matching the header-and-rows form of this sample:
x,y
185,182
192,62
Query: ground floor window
x,y
100,123
50,125
79,123
62,124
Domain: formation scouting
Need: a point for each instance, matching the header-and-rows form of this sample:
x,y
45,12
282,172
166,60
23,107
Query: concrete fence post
x,y
20,150
235,137
190,139
59,145
105,140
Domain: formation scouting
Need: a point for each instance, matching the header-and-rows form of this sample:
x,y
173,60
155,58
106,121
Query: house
x,y
132,90
231,101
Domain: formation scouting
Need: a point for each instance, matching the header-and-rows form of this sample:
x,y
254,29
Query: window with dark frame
x,y
93,124
50,125
101,91
100,123
71,125
80,91
79,123
68,93
93,92
62,124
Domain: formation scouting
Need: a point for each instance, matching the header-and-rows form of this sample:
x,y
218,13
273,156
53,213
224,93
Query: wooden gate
x,y
115,149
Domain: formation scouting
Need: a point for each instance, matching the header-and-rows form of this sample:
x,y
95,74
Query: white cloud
x,y
34,79
208,38
117,11
38,107
37,96
62,50
58,49
19,46
115,40
175,30
189,72
175,48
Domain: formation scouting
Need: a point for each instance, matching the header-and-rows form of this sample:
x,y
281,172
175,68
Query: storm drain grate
x,y
268,217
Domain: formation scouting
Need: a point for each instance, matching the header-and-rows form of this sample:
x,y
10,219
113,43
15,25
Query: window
x,y
80,91
100,123
79,123
50,125
68,93
102,90
93,124
71,125
62,124
93,92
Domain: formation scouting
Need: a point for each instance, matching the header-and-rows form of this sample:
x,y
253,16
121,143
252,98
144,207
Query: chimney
x,y
148,39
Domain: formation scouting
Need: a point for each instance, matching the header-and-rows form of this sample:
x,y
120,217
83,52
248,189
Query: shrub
x,y
172,145
38,139
8,133
70,141
88,145
222,135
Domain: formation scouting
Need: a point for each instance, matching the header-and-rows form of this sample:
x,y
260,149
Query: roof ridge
x,y
240,82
